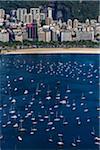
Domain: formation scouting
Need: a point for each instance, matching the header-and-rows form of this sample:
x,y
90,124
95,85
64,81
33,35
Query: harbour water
x,y
49,101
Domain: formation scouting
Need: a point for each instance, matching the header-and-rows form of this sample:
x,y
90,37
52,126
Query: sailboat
x,y
46,116
8,120
1,135
65,122
61,115
57,119
79,122
37,89
50,139
12,109
83,96
49,121
74,143
78,139
68,89
60,142
93,131
20,127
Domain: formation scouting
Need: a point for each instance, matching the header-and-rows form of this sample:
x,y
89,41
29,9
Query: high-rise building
x,y
98,19
54,35
87,22
75,24
41,35
69,24
2,13
49,12
32,31
80,35
20,34
44,34
48,36
42,16
4,36
28,18
66,35
20,13
48,21
36,14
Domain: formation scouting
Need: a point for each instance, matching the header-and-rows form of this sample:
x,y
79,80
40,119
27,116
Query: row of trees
x,y
36,44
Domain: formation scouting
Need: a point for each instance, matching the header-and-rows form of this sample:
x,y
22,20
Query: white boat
x,y
13,101
31,132
74,143
97,138
60,134
65,122
34,129
68,89
15,125
57,119
20,138
49,121
79,122
46,116
1,136
25,92
53,128
50,139
61,115
86,110
37,89
83,96
63,102
21,128
93,131
78,139
48,97
60,142
73,108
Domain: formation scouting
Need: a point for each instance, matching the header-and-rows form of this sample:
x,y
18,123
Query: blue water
x,y
79,73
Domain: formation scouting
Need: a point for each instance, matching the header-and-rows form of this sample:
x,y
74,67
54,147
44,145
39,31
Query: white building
x,y
41,35
36,14
87,22
20,34
28,18
44,34
42,16
20,13
54,35
4,36
75,24
1,21
80,35
66,36
49,12
69,24
98,19
2,13
48,36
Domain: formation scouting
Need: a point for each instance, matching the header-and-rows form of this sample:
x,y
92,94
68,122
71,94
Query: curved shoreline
x,y
54,51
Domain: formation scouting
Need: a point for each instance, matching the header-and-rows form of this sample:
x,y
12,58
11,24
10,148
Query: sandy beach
x,y
53,51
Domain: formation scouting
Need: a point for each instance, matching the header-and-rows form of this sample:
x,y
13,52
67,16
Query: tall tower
x,y
20,13
2,13
49,12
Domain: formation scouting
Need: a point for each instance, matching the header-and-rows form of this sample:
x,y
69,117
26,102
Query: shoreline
x,y
53,51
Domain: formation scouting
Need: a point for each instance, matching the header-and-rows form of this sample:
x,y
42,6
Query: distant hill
x,y
61,9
